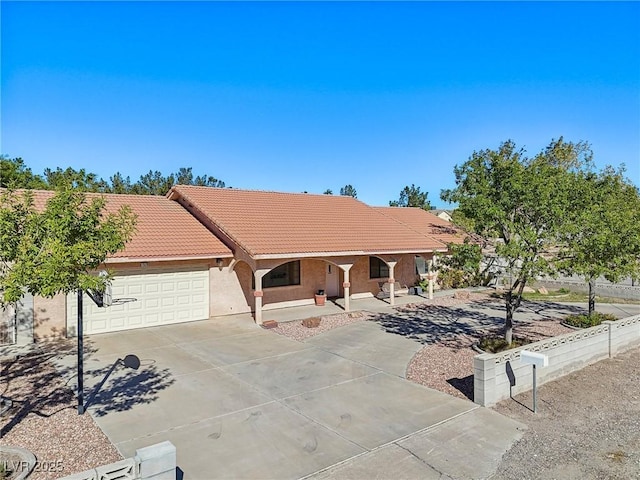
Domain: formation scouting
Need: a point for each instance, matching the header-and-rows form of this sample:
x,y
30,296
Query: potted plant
x,y
320,298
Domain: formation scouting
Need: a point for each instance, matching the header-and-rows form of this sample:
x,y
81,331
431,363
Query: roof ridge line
x,y
251,190
217,224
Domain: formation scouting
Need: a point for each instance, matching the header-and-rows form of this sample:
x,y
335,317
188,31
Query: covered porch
x,y
293,282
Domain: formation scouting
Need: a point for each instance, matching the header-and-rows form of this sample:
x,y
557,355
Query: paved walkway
x,y
244,403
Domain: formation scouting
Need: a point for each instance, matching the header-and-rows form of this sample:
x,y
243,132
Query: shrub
x,y
452,278
586,321
499,344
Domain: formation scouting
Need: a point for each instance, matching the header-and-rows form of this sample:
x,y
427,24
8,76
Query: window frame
x,y
380,268
293,270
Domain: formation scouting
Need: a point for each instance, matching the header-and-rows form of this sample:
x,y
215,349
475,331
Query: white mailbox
x,y
534,358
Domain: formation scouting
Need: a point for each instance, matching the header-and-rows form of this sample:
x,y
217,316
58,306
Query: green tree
x,y
15,174
465,265
208,181
120,184
328,191
184,176
412,197
603,239
58,248
348,191
74,179
153,183
520,204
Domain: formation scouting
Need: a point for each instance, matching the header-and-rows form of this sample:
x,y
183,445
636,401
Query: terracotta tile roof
x,y
164,229
425,222
272,223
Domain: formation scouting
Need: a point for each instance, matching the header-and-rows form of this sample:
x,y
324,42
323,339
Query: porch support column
x,y
431,277
257,294
346,285
392,281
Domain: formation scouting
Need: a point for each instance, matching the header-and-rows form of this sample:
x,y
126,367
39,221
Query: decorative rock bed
x,y
297,330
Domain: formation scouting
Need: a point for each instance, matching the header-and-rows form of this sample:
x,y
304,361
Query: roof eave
x,y
138,259
274,256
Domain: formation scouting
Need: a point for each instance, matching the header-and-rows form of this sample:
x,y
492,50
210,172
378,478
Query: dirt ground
x,y
587,425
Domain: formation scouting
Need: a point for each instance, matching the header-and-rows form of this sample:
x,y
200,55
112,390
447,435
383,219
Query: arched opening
x,y
244,274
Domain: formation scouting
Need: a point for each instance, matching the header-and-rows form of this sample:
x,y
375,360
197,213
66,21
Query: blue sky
x,y
310,96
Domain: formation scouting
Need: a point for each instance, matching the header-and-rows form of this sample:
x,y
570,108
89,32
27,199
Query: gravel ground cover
x,y
448,366
44,420
296,331
587,426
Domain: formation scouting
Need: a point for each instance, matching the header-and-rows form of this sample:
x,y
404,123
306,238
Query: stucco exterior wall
x,y
404,273
359,278
312,279
49,318
226,295
244,275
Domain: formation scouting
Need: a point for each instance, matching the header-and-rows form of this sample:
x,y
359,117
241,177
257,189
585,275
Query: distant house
x,y
201,252
443,214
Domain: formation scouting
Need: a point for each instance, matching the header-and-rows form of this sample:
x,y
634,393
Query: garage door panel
x,y
201,312
152,303
168,302
162,297
197,299
117,322
134,321
118,290
184,300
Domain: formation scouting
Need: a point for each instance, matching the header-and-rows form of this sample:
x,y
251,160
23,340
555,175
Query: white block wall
x,y
497,376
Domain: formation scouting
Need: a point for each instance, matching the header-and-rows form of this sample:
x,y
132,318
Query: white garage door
x,y
145,298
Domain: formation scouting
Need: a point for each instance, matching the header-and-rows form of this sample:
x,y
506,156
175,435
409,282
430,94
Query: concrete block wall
x,y
624,334
155,462
497,376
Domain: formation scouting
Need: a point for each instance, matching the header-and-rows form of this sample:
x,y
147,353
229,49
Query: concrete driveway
x,y
244,403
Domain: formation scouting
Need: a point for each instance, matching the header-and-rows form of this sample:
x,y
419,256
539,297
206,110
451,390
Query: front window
x,y
377,268
422,267
287,274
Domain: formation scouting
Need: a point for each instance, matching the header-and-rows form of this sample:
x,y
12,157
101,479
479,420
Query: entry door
x,y
332,281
